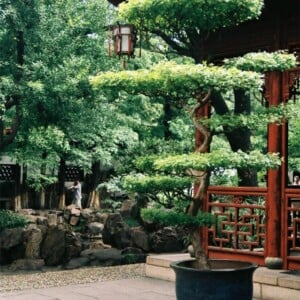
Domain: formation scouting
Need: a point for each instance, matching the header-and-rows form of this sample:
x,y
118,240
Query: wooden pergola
x,y
276,224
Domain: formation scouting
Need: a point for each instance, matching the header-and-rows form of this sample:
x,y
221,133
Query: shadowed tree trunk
x,y
17,198
61,185
94,179
239,138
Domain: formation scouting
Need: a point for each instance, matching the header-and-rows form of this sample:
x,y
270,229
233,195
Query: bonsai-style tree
x,y
187,28
191,86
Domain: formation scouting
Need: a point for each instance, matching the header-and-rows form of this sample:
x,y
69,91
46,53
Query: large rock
x,y
27,265
101,217
11,245
74,220
103,257
129,209
132,255
11,237
88,214
165,240
98,244
52,219
76,263
116,232
53,248
140,238
33,239
73,245
95,228
41,220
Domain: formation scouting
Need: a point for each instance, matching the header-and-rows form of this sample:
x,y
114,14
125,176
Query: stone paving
x,y
127,289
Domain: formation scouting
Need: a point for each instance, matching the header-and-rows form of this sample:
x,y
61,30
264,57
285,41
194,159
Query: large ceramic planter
x,y
227,280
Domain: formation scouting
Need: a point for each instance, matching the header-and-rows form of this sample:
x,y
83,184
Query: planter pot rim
x,y
242,265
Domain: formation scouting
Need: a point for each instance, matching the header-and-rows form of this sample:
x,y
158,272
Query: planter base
x,y
227,280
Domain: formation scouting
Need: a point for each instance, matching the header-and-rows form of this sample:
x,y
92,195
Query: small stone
x,y
74,220
52,220
95,228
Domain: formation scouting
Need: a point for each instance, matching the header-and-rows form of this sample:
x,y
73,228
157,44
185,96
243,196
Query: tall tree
x,y
48,51
49,48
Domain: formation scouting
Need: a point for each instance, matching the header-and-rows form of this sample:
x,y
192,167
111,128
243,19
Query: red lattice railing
x,y
240,220
293,228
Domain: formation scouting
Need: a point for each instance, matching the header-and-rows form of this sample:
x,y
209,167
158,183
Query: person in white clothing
x,y
76,188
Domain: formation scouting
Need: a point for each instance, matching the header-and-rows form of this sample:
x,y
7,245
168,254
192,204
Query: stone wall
x,y
72,238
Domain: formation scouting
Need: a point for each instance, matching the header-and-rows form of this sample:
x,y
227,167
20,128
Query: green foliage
x,y
131,222
177,80
111,205
81,226
158,183
40,143
9,219
217,159
146,163
203,15
112,186
263,61
172,218
255,120
39,181
294,135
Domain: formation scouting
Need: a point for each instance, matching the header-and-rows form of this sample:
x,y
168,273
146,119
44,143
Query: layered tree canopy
x,y
189,15
188,80
169,78
185,25
183,84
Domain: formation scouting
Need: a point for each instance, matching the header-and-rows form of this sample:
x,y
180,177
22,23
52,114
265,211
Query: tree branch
x,y
171,42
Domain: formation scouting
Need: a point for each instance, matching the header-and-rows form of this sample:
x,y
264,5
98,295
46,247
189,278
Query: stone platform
x,y
267,284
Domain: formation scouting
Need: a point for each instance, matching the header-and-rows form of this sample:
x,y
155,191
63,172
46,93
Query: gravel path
x,y
12,281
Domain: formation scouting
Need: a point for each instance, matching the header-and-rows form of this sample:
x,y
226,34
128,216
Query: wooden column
x,y
273,255
17,196
61,185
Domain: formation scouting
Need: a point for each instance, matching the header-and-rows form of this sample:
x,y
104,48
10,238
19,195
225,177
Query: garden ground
x,y
129,282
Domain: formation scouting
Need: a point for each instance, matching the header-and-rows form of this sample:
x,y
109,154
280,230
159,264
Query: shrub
x,y
9,219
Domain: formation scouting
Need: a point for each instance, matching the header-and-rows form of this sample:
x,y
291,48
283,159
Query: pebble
x,y
12,281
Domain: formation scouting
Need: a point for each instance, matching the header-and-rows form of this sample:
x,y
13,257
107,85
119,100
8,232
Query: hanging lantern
x,y
123,39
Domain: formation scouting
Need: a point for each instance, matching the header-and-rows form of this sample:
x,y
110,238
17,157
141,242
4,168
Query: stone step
x,y
267,284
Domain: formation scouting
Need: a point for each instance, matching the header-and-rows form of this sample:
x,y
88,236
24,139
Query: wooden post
x,y
61,185
17,196
273,255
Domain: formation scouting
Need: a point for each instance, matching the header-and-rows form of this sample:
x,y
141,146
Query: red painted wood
x,y
255,258
273,204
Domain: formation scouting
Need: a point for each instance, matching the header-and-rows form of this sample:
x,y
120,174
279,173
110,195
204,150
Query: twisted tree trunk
x,y
202,182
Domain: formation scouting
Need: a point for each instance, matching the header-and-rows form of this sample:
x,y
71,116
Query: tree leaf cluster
x,y
8,219
207,15
217,159
255,120
177,80
263,61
